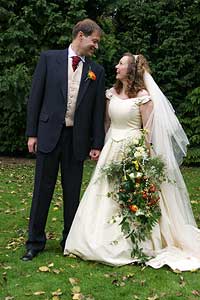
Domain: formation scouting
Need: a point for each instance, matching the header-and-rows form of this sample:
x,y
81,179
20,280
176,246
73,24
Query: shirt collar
x,y
72,53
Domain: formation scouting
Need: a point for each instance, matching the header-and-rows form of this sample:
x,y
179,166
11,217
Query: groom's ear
x,y
80,35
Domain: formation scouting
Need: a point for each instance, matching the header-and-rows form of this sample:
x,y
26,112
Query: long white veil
x,y
170,141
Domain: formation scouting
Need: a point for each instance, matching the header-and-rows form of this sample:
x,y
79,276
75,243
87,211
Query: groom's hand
x,y
32,144
94,154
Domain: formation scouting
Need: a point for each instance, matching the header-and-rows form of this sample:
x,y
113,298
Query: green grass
x,y
20,280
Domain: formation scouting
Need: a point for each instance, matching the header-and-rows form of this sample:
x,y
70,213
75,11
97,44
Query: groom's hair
x,y
87,26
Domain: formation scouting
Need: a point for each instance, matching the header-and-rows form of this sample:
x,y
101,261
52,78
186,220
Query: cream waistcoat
x,y
74,79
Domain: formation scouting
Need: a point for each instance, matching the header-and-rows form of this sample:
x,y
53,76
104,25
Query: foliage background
x,y
166,32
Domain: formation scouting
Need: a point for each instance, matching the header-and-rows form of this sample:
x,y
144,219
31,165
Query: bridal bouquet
x,y
137,179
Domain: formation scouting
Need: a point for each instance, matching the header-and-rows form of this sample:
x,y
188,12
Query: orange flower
x,y
133,208
91,75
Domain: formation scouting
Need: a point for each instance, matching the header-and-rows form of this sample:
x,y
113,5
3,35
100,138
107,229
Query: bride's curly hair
x,y
136,67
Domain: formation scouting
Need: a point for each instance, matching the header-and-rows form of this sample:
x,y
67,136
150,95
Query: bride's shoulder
x,y
142,93
110,92
143,96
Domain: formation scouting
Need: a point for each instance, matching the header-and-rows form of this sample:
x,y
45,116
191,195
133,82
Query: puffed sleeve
x,y
143,99
109,94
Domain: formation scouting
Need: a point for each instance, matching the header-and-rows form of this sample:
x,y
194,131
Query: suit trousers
x,y
46,172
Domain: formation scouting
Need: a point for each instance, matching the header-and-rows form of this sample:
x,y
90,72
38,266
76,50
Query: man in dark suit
x,y
65,123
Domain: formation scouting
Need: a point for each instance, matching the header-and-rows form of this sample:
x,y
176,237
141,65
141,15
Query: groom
x,y
65,122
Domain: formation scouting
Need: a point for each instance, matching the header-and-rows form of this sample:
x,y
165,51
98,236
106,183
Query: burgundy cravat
x,y
75,61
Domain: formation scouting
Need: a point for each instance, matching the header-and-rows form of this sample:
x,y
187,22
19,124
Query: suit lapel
x,y
62,60
84,82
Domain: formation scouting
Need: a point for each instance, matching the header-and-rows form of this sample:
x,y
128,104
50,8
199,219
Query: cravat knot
x,y
75,62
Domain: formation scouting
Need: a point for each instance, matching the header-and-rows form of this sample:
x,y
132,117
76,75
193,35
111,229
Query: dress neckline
x,y
125,98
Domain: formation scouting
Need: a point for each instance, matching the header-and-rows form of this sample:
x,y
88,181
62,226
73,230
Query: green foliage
x,y
166,32
136,181
190,119
28,28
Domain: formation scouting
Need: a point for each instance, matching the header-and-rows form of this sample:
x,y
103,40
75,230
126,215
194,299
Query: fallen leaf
x,y
73,281
76,289
58,292
44,269
56,271
51,235
118,283
196,292
7,267
55,298
38,293
78,296
72,266
155,297
51,265
9,298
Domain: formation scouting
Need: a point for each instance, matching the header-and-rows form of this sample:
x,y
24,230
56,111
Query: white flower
x,y
131,175
137,154
140,149
135,141
138,175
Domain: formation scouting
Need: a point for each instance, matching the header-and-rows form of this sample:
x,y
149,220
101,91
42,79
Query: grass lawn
x,y
52,276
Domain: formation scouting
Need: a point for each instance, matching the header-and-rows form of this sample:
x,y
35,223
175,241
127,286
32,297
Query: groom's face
x,y
89,44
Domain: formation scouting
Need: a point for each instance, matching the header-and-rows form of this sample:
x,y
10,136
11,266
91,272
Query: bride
x,y
136,102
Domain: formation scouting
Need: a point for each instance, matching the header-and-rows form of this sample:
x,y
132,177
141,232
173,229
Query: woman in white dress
x,y
133,103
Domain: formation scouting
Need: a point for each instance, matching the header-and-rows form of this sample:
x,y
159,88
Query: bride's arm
x,y
146,109
107,118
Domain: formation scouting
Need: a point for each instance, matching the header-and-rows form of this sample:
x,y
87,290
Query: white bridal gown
x,y
93,235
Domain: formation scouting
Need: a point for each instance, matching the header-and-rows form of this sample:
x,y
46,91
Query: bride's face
x,y
122,68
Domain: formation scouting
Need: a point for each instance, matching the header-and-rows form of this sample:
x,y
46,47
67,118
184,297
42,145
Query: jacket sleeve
x,y
36,97
98,131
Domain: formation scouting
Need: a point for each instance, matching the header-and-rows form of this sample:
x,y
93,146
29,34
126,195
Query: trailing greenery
x,y
136,181
166,32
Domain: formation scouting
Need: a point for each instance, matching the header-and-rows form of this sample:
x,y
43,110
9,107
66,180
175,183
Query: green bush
x,y
166,32
190,119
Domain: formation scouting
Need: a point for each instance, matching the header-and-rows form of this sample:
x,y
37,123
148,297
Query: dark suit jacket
x,y
48,102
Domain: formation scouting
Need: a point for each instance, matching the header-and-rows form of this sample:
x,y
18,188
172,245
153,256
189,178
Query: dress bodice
x,y
124,115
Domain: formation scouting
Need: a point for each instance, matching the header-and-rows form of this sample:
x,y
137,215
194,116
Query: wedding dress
x,y
175,240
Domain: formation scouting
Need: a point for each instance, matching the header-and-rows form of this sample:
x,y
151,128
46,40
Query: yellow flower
x,y
136,165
